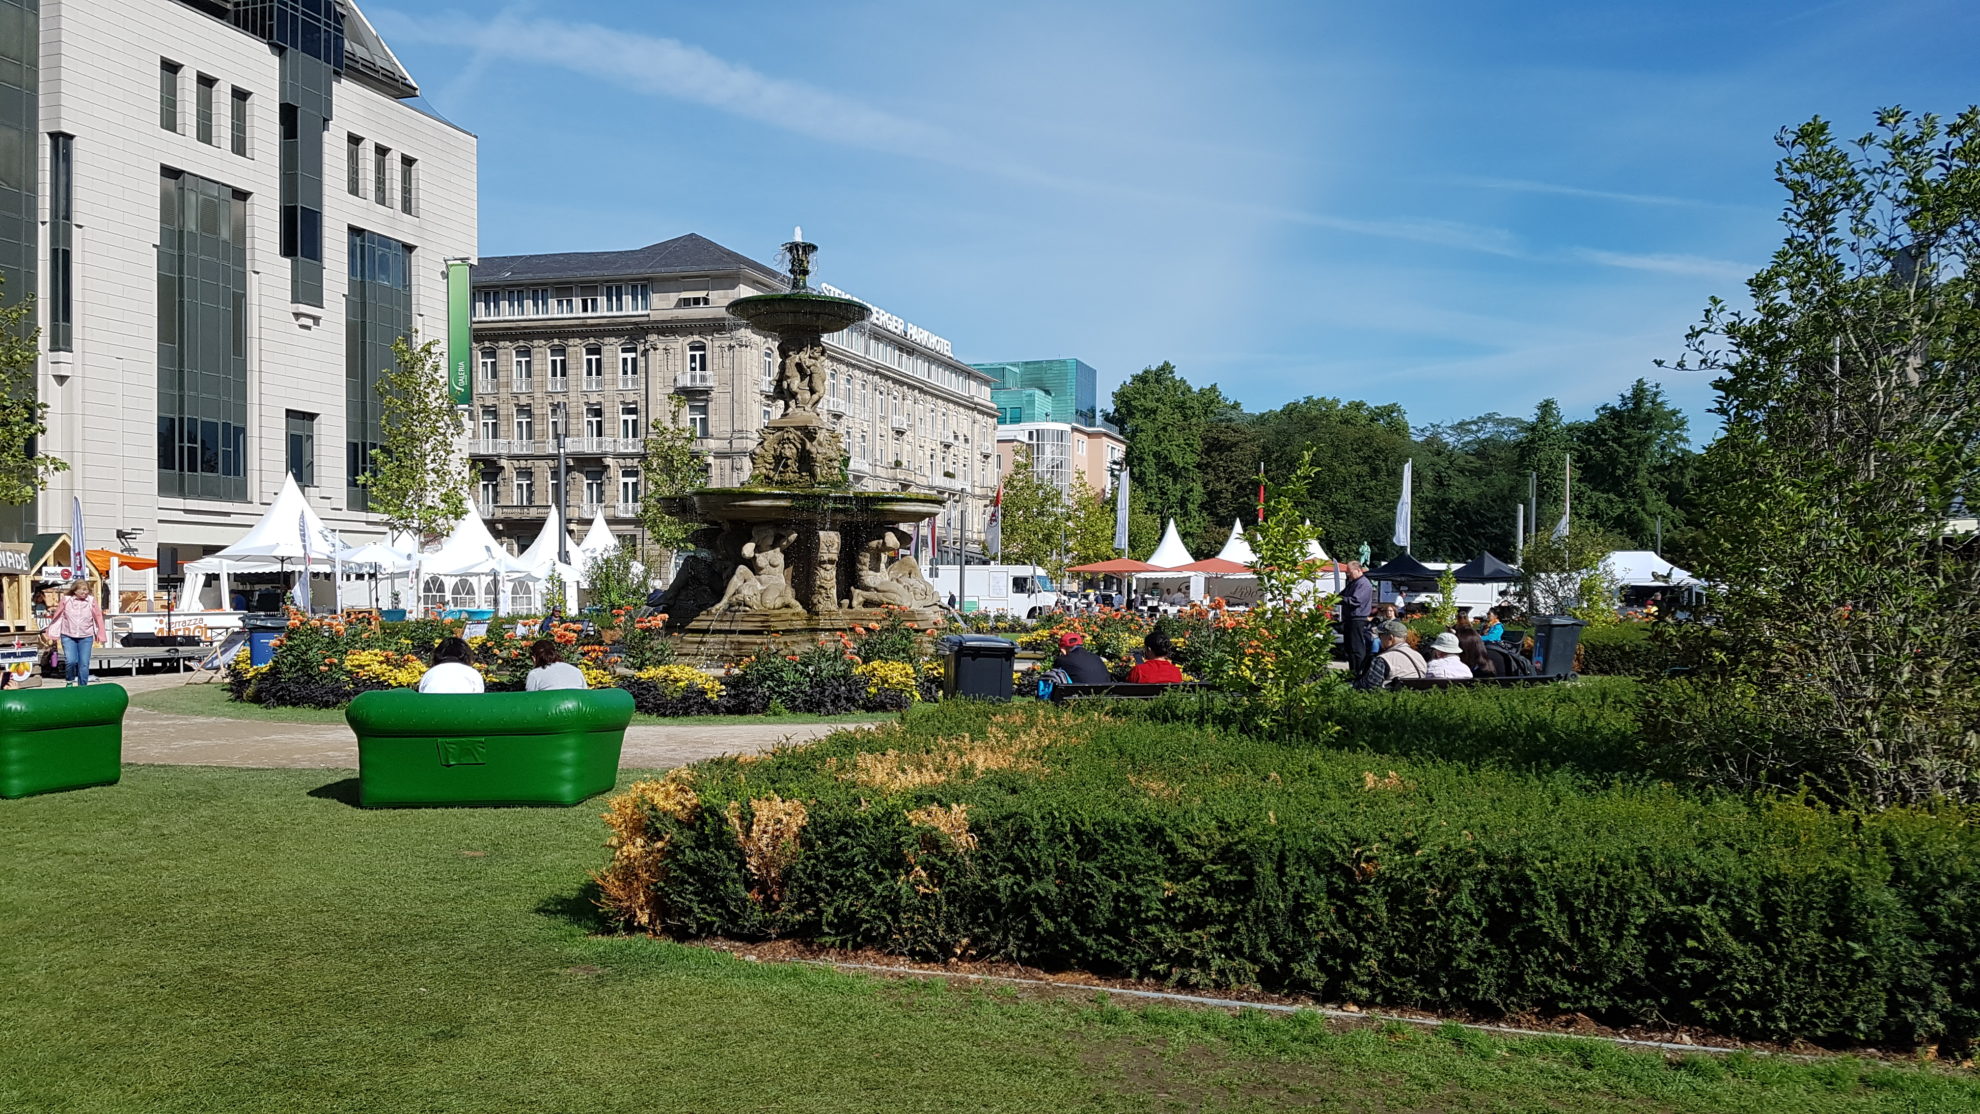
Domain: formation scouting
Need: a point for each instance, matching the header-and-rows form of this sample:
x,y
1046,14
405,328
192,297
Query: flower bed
x,y
325,662
1107,842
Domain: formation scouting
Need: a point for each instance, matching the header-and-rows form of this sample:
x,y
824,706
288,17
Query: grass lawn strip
x,y
211,700
205,939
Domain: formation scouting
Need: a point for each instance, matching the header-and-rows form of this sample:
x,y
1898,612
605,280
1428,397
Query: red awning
x,y
1119,566
1212,566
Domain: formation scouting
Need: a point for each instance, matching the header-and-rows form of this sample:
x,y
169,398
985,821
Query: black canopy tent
x,y
1486,569
1406,569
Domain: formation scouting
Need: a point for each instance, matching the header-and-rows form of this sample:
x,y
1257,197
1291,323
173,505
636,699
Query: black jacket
x,y
1084,667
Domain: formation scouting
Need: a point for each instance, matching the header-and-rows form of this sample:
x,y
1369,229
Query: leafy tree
x,y
24,471
1089,525
1144,527
670,467
1564,575
1033,516
615,579
1232,453
1840,648
1355,452
1162,417
1631,462
419,479
1543,450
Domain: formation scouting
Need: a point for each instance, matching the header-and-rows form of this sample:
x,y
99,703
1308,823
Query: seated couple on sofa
x,y
452,672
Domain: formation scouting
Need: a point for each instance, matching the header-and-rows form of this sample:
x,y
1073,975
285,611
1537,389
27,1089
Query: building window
x,y
406,165
629,420
203,87
566,304
202,339
61,242
377,313
302,447
594,421
237,121
594,486
587,299
539,302
697,357
491,424
769,370
491,491
381,170
628,486
626,298
168,95
488,368
520,362
560,368
697,418
628,366
594,367
354,165
525,487
525,423
302,203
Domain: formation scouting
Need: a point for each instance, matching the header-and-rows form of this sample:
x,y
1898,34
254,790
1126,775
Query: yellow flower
x,y
677,679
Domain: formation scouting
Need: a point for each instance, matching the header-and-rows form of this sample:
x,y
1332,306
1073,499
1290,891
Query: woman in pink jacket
x,y
78,622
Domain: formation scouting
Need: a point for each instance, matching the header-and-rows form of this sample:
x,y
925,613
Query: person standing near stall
x,y
77,623
1357,603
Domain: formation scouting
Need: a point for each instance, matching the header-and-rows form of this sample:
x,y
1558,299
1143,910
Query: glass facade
x,y
377,312
1044,391
202,339
59,315
20,68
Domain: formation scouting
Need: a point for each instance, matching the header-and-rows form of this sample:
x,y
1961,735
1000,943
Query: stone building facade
x,y
581,350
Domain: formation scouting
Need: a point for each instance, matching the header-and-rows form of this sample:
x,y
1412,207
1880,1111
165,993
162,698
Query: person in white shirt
x,y
1444,662
552,671
450,671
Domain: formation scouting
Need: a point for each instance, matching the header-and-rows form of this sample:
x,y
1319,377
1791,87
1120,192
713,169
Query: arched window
x,y
769,370
432,592
697,357
488,366
465,594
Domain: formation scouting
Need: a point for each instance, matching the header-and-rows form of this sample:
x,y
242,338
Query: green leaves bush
x,y
1079,838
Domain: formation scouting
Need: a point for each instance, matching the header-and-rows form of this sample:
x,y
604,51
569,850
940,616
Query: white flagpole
x,y
1403,522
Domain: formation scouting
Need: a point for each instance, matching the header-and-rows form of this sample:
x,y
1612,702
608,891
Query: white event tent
x,y
274,544
469,570
1643,568
1171,555
540,559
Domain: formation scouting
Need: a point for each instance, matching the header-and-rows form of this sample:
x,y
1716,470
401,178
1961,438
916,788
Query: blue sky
x,y
1460,207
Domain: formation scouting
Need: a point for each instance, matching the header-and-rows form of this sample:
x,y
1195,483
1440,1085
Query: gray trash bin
x,y
978,666
1554,640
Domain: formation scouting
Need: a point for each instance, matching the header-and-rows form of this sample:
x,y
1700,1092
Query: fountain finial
x,y
797,259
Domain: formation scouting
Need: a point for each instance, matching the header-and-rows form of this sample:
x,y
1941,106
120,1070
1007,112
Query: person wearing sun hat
x,y
1445,665
1082,666
1397,661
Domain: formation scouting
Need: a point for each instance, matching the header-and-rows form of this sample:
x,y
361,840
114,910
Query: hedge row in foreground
x,y
1120,846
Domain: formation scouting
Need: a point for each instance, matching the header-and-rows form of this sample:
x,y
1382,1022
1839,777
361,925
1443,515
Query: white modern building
x,y
238,206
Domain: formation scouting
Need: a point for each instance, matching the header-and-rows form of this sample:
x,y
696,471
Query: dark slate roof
x,y
689,254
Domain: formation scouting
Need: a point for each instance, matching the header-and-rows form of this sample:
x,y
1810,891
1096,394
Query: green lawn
x,y
201,939
211,700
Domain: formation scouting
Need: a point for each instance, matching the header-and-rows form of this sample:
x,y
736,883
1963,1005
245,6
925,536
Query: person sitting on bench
x,y
1155,667
451,671
1445,665
552,672
1081,665
1397,661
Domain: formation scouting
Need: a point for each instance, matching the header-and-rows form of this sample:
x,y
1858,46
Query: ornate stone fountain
x,y
796,552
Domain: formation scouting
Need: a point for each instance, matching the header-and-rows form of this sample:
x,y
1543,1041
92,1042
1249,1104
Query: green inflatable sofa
x,y
61,738
496,748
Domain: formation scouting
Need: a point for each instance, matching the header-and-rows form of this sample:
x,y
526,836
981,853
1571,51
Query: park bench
x,y
500,748
1476,682
61,738
1120,690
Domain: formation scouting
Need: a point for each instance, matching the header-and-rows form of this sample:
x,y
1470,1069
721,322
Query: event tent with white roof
x,y
479,569
274,544
1643,568
540,559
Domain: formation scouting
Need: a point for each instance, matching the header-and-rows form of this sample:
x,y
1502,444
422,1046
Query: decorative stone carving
x,y
762,581
797,452
800,377
825,574
879,583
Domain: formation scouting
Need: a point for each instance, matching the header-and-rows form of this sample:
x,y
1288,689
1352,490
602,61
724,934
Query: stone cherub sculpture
x,y
762,582
800,379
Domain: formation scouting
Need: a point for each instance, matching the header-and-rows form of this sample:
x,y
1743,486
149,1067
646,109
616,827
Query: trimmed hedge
x,y
1087,839
1621,650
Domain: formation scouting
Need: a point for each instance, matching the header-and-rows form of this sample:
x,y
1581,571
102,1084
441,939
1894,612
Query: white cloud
x,y
1666,263
1520,185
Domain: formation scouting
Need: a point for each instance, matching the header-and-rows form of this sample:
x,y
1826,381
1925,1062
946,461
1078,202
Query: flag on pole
x,y
1261,491
1567,500
302,585
1403,508
1121,511
76,546
993,531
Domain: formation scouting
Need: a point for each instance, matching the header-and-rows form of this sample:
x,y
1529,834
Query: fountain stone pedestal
x,y
796,554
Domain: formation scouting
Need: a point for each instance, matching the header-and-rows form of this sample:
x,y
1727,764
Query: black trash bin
x,y
978,666
1554,640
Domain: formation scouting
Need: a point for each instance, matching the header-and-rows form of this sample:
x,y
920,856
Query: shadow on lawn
x,y
344,790
579,909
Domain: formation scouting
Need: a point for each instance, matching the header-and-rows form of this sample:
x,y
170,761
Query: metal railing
x,y
625,510
835,405
900,423
694,380
510,446
602,445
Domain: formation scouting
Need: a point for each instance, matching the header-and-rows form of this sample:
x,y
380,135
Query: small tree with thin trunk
x,y
419,480
671,467
23,416
1034,516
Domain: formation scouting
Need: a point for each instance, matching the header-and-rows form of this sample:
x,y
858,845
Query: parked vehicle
x,y
1025,590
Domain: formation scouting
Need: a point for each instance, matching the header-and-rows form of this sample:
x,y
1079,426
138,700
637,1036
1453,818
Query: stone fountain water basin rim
x,y
799,313
743,504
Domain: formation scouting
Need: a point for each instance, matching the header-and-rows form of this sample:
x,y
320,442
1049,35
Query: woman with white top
x,y
451,671
552,671
77,624
1445,665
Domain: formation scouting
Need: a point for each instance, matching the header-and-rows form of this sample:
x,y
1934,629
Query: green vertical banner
x,y
460,332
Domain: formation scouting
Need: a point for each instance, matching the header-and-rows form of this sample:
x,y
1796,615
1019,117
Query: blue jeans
x,y
75,658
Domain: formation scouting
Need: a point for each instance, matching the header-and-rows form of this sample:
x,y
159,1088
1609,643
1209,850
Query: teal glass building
x,y
1064,390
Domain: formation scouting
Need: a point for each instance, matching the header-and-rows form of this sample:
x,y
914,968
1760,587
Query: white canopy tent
x,y
469,570
1643,568
1171,553
1237,548
273,544
540,559
599,540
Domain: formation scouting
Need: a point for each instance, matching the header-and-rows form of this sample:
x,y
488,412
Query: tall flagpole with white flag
x,y
1121,512
303,593
1567,500
76,544
1403,507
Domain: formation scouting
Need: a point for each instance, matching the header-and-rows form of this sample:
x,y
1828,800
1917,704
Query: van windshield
x,y
1044,584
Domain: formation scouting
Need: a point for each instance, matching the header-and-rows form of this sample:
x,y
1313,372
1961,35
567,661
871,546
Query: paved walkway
x,y
213,741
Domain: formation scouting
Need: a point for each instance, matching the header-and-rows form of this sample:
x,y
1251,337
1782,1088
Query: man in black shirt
x,y
1082,666
1357,600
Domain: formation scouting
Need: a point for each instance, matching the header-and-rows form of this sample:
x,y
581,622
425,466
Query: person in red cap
x,y
1082,666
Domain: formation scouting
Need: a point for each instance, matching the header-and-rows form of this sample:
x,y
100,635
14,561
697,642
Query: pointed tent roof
x,y
276,536
541,556
1486,569
598,539
1404,567
1237,549
469,551
1171,553
1643,567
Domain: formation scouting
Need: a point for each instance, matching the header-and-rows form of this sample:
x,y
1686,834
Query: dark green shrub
x,y
1620,650
1157,850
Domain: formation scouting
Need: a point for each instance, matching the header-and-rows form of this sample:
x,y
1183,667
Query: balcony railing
x,y
602,445
625,510
589,510
835,405
512,510
559,383
861,465
694,380
900,423
510,446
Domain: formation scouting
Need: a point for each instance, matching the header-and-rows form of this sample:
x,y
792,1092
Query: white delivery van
x,y
1022,590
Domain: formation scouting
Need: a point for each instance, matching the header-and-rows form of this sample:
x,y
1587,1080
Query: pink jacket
x,y
76,618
